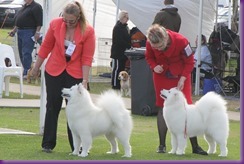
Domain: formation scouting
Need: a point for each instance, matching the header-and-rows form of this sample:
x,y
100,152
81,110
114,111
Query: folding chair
x,y
216,76
233,83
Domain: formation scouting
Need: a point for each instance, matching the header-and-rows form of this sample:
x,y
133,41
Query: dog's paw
x,y
180,152
222,155
211,151
172,152
73,153
83,154
127,156
112,152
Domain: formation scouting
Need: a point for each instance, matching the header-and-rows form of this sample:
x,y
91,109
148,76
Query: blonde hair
x,y
122,14
75,8
157,34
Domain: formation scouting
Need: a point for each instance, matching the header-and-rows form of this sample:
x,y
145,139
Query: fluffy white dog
x,y
207,116
86,120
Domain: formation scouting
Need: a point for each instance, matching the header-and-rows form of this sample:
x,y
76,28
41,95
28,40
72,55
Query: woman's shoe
x,y
161,149
46,150
199,150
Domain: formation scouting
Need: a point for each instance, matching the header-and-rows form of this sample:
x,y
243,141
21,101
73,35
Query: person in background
x,y
205,58
28,23
120,42
168,17
70,41
171,59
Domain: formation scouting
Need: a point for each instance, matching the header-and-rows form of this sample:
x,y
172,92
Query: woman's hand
x,y
181,83
158,69
84,83
35,71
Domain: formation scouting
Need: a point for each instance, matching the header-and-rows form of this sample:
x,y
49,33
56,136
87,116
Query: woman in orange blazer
x,y
170,57
69,45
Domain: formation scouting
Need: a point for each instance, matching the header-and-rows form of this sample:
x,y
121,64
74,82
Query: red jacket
x,y
53,44
175,61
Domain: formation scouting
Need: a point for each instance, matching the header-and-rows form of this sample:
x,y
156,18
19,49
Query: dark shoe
x,y
46,150
199,150
161,149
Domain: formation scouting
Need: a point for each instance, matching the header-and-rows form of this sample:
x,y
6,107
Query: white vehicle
x,y
8,12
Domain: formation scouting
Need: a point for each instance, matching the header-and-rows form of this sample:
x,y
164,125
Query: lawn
x,y
144,141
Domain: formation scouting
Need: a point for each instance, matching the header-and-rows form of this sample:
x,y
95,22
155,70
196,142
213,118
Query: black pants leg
x,y
118,65
54,86
162,128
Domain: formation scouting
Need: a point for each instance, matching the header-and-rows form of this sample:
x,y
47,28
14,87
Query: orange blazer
x,y
53,44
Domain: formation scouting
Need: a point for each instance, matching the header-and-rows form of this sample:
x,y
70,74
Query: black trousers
x,y
54,86
118,65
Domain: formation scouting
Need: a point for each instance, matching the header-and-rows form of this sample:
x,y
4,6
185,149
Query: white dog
x,y
124,78
87,120
207,116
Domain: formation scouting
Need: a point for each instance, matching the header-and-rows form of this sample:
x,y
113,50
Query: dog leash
x,y
5,18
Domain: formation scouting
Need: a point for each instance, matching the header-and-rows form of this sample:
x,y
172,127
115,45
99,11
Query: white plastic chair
x,y
6,72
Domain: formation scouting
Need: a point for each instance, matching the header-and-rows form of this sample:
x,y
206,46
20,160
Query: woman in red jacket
x,y
171,58
69,45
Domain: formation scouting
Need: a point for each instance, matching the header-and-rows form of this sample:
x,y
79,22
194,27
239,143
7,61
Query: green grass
x,y
144,140
4,36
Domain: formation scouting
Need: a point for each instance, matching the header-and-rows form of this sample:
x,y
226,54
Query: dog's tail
x,y
211,102
113,103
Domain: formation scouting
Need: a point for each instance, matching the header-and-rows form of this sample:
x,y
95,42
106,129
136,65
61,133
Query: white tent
x,y
103,13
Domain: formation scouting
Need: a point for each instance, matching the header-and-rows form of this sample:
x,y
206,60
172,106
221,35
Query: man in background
x,y
28,23
120,42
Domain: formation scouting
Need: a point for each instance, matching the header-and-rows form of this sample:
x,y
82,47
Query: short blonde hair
x,y
157,34
123,14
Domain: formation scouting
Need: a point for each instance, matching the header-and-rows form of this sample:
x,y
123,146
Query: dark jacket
x,y
168,18
29,16
120,41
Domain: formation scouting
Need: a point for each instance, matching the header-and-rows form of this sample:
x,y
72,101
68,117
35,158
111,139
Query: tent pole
x,y
230,14
117,11
47,11
94,13
216,15
198,53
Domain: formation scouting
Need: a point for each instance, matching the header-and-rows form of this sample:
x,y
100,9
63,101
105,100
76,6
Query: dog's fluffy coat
x,y
125,83
206,117
108,117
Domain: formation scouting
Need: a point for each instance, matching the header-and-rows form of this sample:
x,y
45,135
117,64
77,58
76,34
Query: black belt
x,y
23,28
